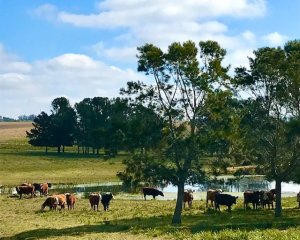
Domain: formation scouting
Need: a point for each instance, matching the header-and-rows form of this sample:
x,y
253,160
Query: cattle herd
x,y
214,196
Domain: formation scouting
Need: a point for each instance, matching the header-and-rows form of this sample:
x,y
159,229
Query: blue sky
x,y
87,48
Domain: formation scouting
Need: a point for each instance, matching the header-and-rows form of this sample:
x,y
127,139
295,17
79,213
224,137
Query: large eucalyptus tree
x,y
182,81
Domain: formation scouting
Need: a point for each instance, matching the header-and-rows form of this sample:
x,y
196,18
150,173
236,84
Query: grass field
x,y
127,219
21,162
139,219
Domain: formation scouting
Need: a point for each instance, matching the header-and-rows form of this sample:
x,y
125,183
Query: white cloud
x,y
275,39
46,11
75,76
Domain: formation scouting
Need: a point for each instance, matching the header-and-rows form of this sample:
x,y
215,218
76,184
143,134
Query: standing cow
x,y
211,196
225,199
71,199
105,200
25,189
268,198
188,197
252,197
94,199
298,199
151,191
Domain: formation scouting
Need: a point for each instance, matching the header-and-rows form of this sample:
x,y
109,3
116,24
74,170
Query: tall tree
x,y
64,123
271,83
179,94
41,134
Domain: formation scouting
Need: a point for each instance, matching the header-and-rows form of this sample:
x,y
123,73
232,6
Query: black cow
x,y
268,198
225,199
106,197
151,191
252,197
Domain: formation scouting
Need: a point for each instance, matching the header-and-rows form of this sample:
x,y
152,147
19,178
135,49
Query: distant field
x,y
14,130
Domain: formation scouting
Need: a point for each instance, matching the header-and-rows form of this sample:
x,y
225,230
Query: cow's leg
x,y
229,208
145,196
153,197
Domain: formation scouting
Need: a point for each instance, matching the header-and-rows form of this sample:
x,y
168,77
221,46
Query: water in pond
x,y
226,183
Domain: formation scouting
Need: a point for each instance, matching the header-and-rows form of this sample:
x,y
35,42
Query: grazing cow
x,y
224,199
251,197
211,196
71,199
188,197
151,191
105,200
94,199
23,189
268,198
298,198
50,202
62,200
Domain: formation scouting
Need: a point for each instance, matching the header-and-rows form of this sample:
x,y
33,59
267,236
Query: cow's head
x,y
161,193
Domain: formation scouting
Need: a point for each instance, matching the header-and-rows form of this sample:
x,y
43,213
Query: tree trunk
x,y
63,149
46,149
58,149
278,206
178,209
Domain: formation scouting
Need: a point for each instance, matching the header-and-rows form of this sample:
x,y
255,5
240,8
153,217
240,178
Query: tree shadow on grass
x,y
193,223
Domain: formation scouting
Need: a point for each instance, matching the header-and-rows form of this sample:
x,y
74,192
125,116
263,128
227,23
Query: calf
x,y
71,199
50,202
225,199
94,199
298,199
151,191
106,197
188,197
251,197
25,189
211,196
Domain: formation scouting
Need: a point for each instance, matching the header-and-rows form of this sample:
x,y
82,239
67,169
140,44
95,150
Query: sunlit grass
x,y
141,219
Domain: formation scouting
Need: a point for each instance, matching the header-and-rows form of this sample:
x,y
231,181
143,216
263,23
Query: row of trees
x,y
193,109
97,123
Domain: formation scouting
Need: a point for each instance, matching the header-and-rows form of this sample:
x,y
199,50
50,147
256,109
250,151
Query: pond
x,y
226,183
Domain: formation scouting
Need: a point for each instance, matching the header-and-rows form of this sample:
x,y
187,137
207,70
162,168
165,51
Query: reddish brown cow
x,y
62,200
94,199
44,188
71,199
252,197
50,202
211,196
188,197
23,189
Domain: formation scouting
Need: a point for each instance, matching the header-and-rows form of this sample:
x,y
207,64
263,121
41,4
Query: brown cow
x,y
44,188
188,197
71,199
62,200
94,199
25,189
298,198
50,202
211,196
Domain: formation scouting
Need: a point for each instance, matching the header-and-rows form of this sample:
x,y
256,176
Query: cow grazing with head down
x,y
211,196
71,199
105,200
224,199
188,197
94,199
151,191
50,202
252,197
23,189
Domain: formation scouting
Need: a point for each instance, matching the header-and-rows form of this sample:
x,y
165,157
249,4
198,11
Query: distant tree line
x,y
97,123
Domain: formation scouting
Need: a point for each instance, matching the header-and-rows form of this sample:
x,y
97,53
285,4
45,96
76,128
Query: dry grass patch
x,y
14,130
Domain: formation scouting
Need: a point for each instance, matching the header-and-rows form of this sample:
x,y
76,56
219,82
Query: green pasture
x,y
139,219
21,162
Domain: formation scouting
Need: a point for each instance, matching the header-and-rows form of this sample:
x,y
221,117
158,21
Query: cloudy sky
x,y
87,48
